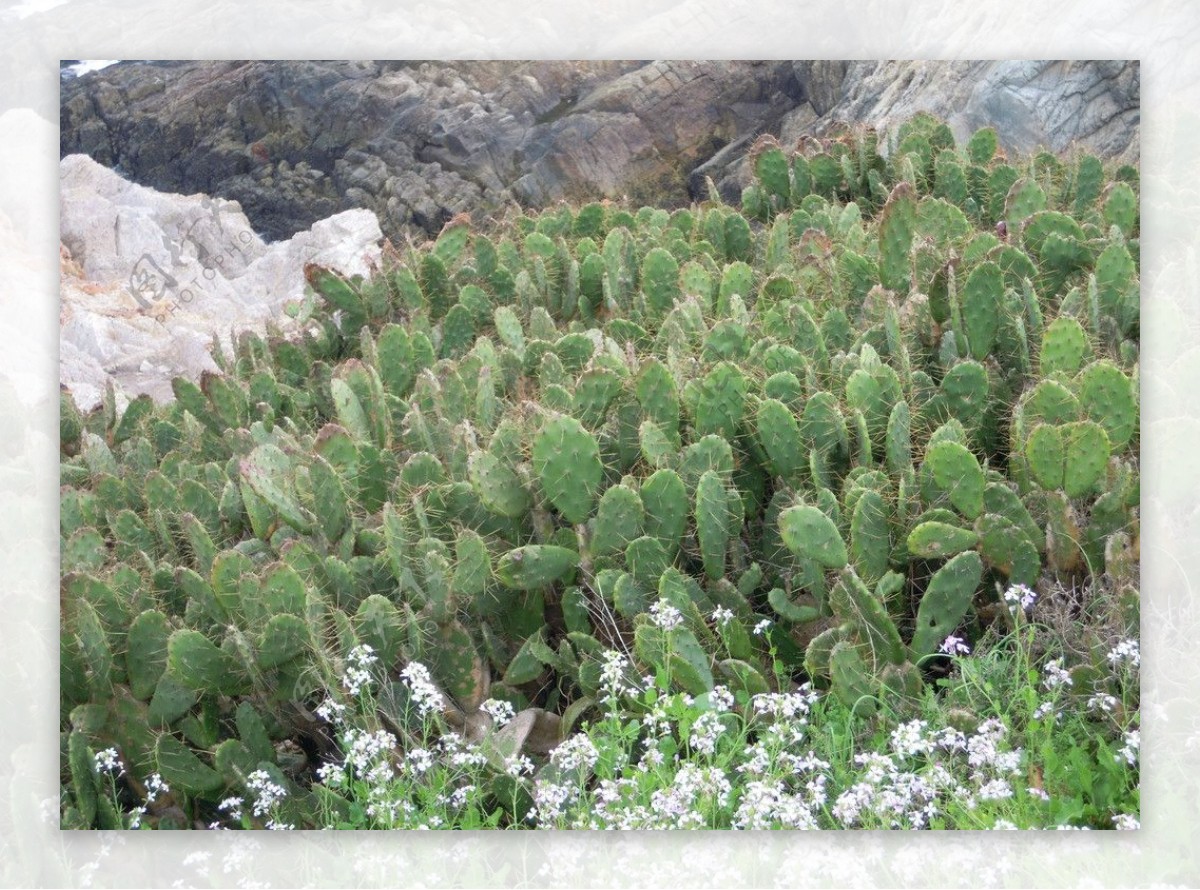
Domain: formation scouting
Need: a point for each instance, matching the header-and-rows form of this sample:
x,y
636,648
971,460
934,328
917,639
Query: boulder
x,y
150,281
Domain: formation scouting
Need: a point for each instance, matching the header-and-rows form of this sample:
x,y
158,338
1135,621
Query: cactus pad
x,y
567,460
811,535
956,471
535,565
946,601
940,540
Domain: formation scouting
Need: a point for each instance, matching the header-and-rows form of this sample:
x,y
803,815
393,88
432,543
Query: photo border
x,y
1162,35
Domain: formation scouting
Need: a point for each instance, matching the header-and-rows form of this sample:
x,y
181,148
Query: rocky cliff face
x,y
417,142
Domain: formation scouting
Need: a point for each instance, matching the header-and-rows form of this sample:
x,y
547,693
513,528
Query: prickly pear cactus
x,y
891,385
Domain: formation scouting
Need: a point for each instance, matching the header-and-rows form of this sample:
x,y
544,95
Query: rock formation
x,y
149,278
417,142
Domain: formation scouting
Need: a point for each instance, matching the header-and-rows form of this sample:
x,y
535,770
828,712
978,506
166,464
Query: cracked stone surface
x,y
418,142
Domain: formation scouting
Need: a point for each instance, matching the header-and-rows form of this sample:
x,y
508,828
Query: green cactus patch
x,y
853,412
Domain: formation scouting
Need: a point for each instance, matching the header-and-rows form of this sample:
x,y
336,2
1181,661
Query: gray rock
x,y
1031,104
418,142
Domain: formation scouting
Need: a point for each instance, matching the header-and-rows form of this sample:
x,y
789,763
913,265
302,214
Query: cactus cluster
x,y
857,408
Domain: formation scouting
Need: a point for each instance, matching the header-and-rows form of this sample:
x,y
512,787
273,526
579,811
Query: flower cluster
x,y
424,693
108,761
357,676
1055,675
1019,597
665,616
953,645
155,785
1129,751
722,616
705,732
1125,652
613,678
500,711
266,791
576,752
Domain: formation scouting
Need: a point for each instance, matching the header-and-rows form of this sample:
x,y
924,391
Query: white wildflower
x,y
757,762
577,751
653,757
108,761
804,763
331,711
1126,822
949,739
1055,675
458,799
1020,596
357,676
1044,709
705,732
265,790
953,645
1125,651
156,786
550,801
909,740
418,761
425,694
722,616
983,747
366,750
786,705
878,766
500,711
850,803
666,616
996,789
721,699
518,765
332,774
1129,753
612,677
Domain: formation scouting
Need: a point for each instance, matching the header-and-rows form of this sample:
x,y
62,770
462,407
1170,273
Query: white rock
x,y
148,278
